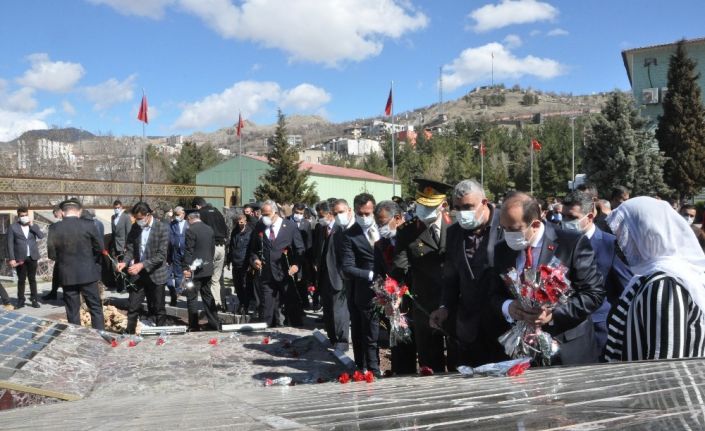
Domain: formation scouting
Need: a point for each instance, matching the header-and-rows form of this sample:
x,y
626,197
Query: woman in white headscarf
x,y
660,315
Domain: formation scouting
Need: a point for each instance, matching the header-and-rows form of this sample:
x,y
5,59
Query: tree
x,y
620,150
681,128
285,182
192,160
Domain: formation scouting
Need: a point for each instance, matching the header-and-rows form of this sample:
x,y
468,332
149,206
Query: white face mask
x,y
323,222
24,219
342,219
426,214
516,240
573,225
117,211
267,221
365,221
142,222
298,217
386,232
467,220
688,219
179,218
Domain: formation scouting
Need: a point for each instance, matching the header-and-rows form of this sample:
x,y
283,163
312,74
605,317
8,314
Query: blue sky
x,y
84,63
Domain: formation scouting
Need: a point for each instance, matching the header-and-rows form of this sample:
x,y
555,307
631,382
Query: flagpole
x,y
144,158
394,166
482,165
239,136
531,150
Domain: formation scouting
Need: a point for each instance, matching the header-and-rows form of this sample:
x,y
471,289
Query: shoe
x,y
20,303
120,289
35,304
341,347
378,374
51,296
173,301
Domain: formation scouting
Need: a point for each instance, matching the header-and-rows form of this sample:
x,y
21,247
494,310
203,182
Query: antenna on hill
x,y
440,91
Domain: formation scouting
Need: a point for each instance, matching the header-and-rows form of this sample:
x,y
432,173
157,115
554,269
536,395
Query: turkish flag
x,y
240,124
535,145
483,149
142,115
388,108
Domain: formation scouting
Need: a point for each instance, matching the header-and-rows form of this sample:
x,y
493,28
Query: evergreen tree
x,y
619,150
681,128
192,160
284,182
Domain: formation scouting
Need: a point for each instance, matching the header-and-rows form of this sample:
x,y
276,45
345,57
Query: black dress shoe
x,y
172,302
20,303
49,296
35,304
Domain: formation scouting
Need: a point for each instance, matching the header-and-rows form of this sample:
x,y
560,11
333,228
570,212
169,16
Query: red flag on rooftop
x,y
388,108
483,149
142,115
240,124
535,145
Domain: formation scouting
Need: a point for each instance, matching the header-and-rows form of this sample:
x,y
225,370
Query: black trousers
x,y
28,270
243,286
432,345
155,302
276,293
72,301
336,316
364,322
55,280
202,286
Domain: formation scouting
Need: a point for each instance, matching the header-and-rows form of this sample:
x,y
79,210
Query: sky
x,y
86,63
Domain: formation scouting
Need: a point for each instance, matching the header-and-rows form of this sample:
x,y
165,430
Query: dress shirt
x,y
25,231
535,247
274,227
144,237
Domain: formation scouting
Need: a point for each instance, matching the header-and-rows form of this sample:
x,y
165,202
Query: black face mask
x,y
251,218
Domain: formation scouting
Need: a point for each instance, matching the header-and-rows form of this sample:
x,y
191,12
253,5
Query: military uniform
x,y
418,260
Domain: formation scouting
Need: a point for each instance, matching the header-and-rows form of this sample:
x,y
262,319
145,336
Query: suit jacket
x,y
614,272
384,256
74,246
155,252
275,262
571,325
177,242
306,232
17,243
419,260
325,255
238,247
357,258
120,232
213,218
200,244
466,283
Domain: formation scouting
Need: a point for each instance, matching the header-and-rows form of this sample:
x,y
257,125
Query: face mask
x,y
117,211
365,221
179,219
24,219
142,223
298,217
557,217
386,232
323,222
516,240
267,221
342,219
689,219
467,220
426,214
573,225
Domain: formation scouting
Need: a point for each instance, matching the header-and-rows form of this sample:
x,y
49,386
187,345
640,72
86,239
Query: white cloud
x,y
513,41
13,124
510,12
21,100
475,64
328,32
110,92
144,8
248,97
558,32
533,33
68,107
54,76
305,97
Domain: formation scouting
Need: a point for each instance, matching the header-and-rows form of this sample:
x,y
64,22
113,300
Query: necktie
x,y
328,231
434,234
271,234
529,258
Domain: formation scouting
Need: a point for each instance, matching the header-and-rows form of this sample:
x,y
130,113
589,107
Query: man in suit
x,y
579,216
336,316
276,252
213,218
120,223
303,277
357,258
74,247
53,294
200,244
467,276
237,257
24,254
145,259
89,214
175,254
529,243
389,217
419,257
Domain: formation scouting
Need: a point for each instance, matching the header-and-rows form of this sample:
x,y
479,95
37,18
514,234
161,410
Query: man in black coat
x,y
23,253
200,245
237,256
276,252
145,259
467,276
213,218
120,223
303,277
357,259
529,243
74,247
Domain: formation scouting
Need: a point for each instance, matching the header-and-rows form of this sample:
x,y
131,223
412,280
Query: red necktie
x,y
529,258
271,234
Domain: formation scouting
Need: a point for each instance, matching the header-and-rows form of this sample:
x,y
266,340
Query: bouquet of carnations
x,y
388,296
546,287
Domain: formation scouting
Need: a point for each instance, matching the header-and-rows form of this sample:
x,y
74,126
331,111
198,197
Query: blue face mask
x,y
426,214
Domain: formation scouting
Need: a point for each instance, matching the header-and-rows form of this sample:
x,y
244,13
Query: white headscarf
x,y
655,238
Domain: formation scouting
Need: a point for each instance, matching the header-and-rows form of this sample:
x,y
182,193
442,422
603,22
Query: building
x,y
353,147
381,128
331,181
45,154
311,156
647,70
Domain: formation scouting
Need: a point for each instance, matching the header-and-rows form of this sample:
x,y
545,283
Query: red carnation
x,y
268,382
311,289
104,252
213,341
160,341
426,371
344,378
131,343
113,343
369,376
518,369
358,376
265,340
261,234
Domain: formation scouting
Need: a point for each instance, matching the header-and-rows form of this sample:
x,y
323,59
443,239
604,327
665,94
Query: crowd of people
x,y
635,265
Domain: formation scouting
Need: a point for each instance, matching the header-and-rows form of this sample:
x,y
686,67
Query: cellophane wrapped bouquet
x,y
546,287
388,296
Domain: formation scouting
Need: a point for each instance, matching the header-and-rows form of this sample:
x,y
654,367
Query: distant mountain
x,y
69,135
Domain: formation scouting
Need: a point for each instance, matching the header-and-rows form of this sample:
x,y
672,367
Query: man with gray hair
x,y
467,275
